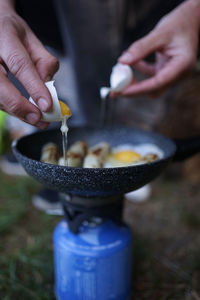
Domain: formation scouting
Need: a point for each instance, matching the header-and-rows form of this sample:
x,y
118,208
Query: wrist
x,y
7,6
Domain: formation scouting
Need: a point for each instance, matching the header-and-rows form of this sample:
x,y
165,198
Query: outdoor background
x,y
166,227
166,242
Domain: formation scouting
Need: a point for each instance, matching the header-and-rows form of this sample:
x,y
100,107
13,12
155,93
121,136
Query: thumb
x,y
142,48
46,63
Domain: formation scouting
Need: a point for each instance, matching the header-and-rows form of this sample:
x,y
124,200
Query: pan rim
x,y
15,144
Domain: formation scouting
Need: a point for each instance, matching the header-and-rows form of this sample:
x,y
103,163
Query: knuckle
x,y
5,22
15,108
52,63
53,60
47,66
34,88
16,63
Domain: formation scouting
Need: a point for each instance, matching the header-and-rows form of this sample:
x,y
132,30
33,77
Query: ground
x,y
166,242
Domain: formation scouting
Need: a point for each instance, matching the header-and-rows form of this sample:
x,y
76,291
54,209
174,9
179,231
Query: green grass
x,y
26,260
166,242
15,197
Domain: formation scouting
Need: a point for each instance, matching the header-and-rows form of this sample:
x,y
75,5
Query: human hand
x,y
26,58
175,42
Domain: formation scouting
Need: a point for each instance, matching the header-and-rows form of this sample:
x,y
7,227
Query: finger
x,y
158,93
161,61
46,64
15,104
42,125
142,48
145,68
21,66
113,94
151,95
171,72
3,69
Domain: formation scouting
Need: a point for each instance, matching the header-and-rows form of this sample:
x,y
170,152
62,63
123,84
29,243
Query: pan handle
x,y
186,148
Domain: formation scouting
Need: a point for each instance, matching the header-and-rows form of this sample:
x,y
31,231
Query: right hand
x,y
174,40
26,58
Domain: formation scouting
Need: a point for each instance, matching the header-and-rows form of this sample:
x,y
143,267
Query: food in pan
x,y
102,155
96,156
150,157
50,153
75,155
122,155
127,155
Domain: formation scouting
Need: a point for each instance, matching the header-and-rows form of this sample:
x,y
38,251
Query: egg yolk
x,y
65,109
127,156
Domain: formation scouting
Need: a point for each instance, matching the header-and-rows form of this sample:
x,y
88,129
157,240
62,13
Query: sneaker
x,y
48,201
140,195
10,166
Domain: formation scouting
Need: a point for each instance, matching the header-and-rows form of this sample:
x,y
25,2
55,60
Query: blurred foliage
x,y
26,258
4,136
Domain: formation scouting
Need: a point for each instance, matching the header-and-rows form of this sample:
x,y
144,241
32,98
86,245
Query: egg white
x,y
142,149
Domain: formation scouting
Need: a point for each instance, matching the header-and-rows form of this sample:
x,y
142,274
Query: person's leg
x,y
92,36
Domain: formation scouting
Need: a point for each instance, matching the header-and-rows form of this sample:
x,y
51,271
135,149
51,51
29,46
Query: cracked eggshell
x,y
104,91
121,77
55,114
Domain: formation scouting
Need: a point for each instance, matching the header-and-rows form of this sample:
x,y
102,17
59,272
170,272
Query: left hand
x,y
175,42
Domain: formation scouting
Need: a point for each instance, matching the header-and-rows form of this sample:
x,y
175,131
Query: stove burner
x,y
79,209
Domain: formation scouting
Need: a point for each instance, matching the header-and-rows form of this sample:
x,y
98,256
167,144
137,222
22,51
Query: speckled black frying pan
x,y
103,181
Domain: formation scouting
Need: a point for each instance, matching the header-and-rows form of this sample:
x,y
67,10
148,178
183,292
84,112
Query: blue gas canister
x,y
95,264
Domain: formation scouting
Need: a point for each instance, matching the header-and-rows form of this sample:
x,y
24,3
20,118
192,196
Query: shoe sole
x,y
12,169
50,208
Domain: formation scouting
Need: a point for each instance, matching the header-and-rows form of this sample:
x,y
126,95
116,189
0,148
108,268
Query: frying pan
x,y
99,182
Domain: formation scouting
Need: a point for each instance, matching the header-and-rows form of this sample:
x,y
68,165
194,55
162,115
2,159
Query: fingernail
x,y
126,57
32,118
43,104
42,125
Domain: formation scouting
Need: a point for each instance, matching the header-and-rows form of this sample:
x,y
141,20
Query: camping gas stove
x,y
92,250
78,209
92,246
